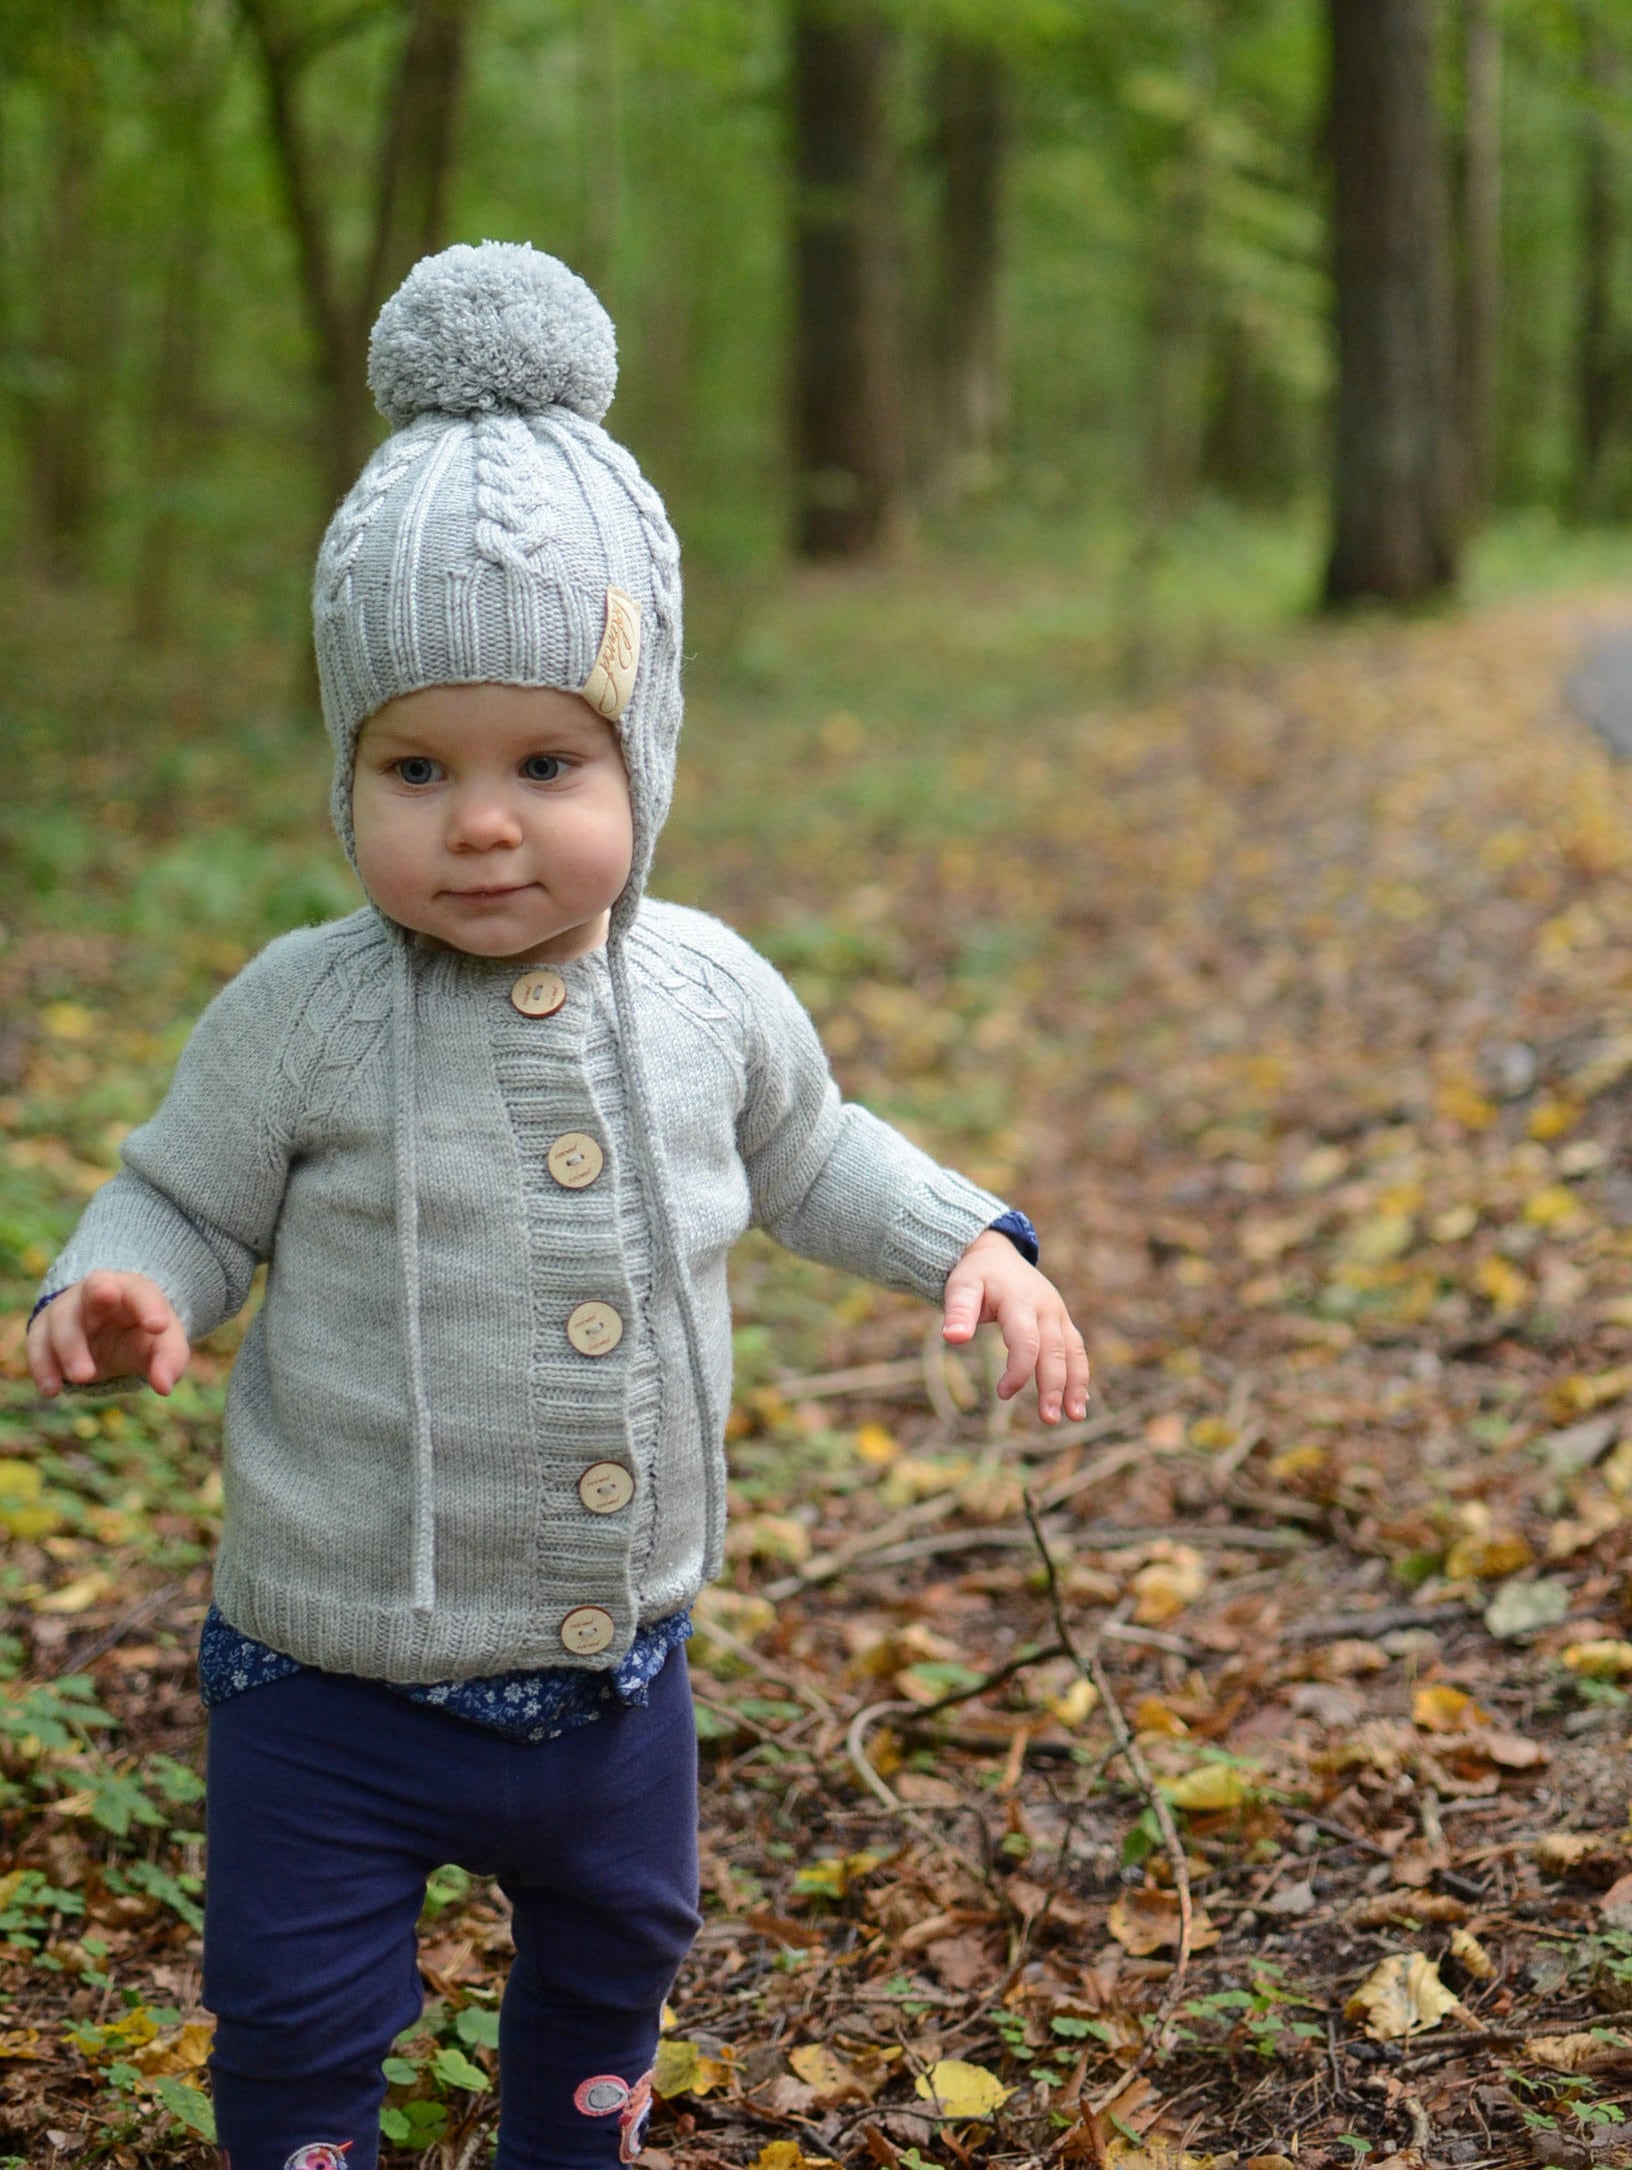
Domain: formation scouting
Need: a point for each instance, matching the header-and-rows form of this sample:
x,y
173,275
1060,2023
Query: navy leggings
x,y
330,1801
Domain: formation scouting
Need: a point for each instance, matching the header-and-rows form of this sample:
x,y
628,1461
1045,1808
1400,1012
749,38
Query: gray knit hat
x,y
499,534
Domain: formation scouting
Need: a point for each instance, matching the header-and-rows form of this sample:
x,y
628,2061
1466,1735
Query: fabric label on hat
x,y
612,681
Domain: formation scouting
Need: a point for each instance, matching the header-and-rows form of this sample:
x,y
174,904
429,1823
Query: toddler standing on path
x,y
493,1136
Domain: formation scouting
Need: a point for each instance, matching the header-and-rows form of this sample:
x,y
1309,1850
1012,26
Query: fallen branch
x,y
1087,1663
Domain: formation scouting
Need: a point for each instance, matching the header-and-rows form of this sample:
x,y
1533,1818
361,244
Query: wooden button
x,y
586,1629
604,1487
575,1160
539,993
594,1329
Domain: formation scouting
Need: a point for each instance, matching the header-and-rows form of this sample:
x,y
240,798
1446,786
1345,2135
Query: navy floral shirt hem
x,y
523,1706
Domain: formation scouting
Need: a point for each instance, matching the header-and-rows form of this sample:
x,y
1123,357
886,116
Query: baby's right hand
x,y
108,1326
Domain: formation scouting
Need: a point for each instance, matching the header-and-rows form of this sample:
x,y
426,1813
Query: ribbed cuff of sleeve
x,y
151,1238
934,1229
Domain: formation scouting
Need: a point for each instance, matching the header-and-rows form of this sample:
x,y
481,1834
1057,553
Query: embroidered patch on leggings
x,y
606,2095
320,2155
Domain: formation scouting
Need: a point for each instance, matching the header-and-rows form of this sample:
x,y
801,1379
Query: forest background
x,y
1023,380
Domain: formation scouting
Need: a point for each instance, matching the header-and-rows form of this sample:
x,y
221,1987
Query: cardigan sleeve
x,y
829,1179
196,1198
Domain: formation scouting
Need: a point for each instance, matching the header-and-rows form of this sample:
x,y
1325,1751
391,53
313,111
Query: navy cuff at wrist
x,y
1020,1233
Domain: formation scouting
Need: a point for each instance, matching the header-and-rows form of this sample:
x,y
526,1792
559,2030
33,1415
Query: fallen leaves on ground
x,y
1298,1009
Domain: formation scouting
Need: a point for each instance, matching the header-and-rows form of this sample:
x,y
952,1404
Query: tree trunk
x,y
411,175
1180,306
1597,389
848,409
601,119
1481,294
76,298
192,74
1396,497
971,395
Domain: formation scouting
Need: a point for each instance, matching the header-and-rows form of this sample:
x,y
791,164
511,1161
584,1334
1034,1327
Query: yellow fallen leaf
x,y
28,1521
833,2080
67,1021
1402,1995
1153,2153
1460,1103
1075,1704
1303,1460
1487,1558
1154,1716
1382,1238
20,2042
789,2155
1579,1391
876,1446
830,1876
1501,1283
962,2090
1442,1709
684,2068
1467,1950
1551,1206
78,1595
775,1537
917,1476
1604,1660
186,2051
1164,1588
1209,1787
1552,1118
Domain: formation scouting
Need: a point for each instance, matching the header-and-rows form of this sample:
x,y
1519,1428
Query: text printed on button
x,y
604,1487
575,1160
594,1329
539,993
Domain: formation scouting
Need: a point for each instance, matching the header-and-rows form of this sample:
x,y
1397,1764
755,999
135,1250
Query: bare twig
x,y
110,1637
1087,1663
710,1631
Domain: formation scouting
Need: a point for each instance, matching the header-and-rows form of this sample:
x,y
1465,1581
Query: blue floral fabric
x,y
522,1706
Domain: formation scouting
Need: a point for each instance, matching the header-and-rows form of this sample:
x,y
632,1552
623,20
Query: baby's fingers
x,y
65,1340
1022,1338
169,1358
962,1305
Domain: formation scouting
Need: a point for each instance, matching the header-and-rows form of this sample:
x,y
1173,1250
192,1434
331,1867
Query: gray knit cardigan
x,y
472,1534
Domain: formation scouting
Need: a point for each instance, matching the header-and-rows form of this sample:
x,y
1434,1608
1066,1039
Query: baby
x,y
493,1137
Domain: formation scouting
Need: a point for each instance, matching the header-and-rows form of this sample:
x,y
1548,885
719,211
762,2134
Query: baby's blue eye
x,y
414,768
542,768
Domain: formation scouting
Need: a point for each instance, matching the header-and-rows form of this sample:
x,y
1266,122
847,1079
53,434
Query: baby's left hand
x,y
992,1281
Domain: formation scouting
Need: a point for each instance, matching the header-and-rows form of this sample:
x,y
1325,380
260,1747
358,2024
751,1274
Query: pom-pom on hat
x,y
499,534
474,330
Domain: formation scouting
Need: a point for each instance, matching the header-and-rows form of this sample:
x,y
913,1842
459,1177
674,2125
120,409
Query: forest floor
x,y
1297,1008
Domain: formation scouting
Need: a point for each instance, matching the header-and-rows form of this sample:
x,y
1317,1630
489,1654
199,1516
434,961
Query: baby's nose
x,y
479,823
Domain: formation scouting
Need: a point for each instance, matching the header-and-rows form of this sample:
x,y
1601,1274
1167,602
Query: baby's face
x,y
494,819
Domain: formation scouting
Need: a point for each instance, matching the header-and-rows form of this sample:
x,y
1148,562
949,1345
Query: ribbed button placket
x,y
551,1066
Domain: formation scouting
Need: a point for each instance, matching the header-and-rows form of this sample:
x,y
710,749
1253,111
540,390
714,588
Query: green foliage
x,y
431,2073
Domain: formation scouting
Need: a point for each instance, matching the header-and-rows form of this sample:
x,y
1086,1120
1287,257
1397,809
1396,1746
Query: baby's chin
x,y
557,947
